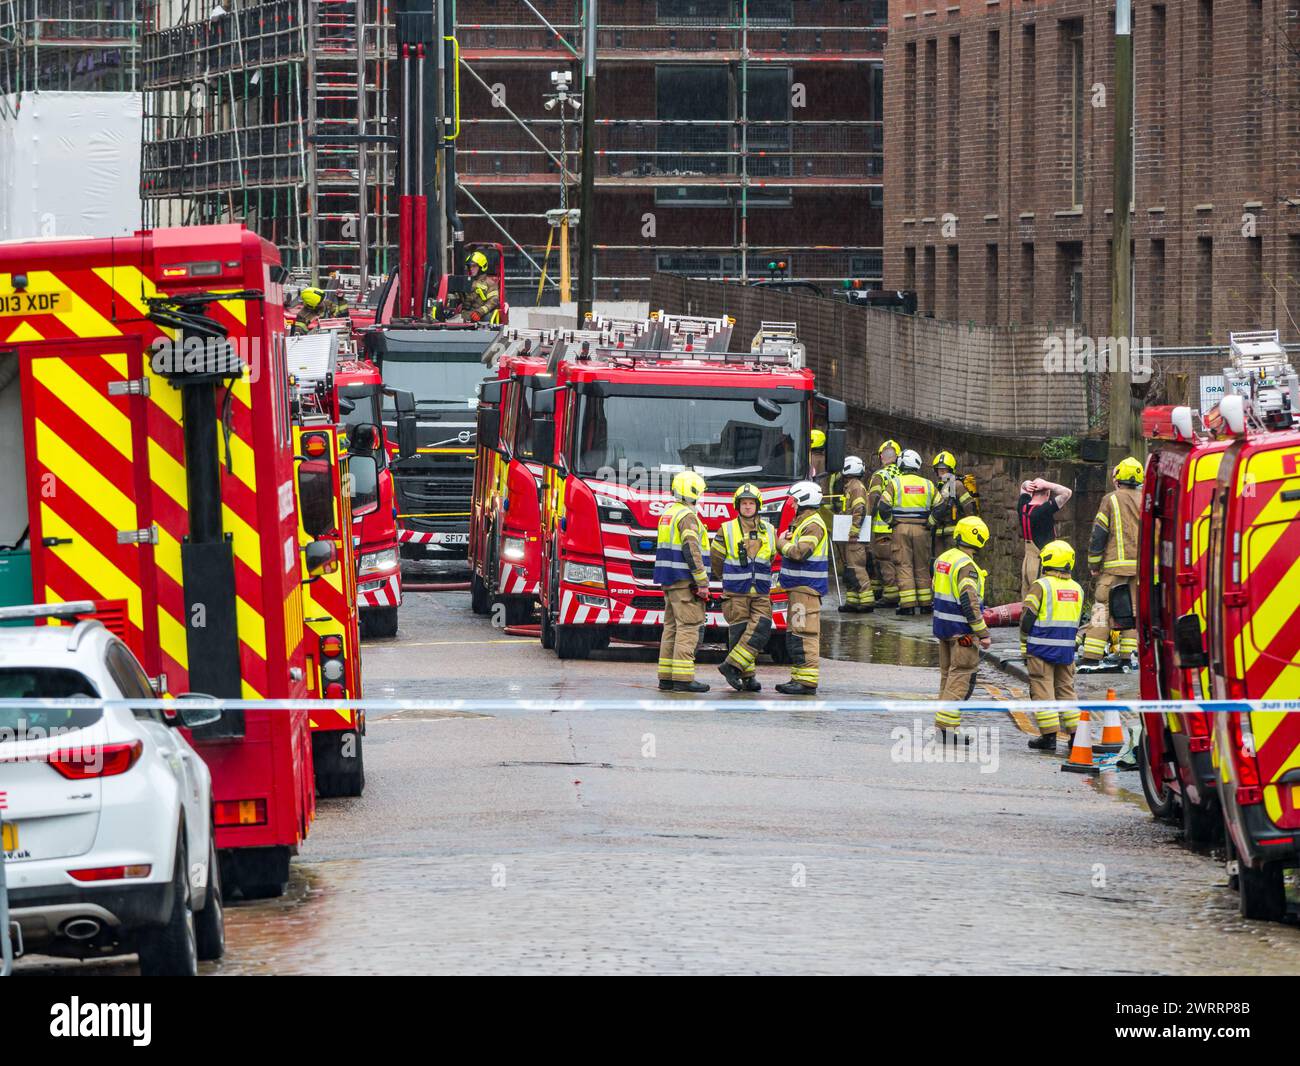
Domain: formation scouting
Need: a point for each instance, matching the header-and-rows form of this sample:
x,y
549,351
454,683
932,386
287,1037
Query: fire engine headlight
x,y
581,574
512,548
332,669
378,562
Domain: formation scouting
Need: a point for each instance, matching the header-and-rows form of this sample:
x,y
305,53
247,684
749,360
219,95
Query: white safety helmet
x,y
853,466
910,460
806,494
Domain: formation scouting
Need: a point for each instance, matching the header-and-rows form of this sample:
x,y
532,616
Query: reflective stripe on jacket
x,y
740,574
881,481
1056,624
955,572
672,564
911,497
812,570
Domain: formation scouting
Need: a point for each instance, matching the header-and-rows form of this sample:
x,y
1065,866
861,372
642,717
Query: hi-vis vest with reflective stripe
x,y
912,498
1052,637
1121,549
948,619
812,571
739,573
671,564
886,474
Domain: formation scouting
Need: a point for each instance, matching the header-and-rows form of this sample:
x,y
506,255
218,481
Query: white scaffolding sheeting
x,y
69,165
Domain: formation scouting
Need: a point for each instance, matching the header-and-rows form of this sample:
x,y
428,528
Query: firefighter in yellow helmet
x,y
817,454
959,616
1112,560
805,567
953,502
742,553
907,503
483,300
1049,624
313,301
884,581
679,571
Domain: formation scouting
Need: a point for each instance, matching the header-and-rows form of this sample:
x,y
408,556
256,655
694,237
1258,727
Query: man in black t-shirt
x,y
1039,502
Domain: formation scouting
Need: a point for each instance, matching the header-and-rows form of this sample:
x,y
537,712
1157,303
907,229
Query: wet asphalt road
x,y
748,841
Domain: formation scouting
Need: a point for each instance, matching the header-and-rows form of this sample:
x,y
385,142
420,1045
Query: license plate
x,y
8,837
450,538
34,303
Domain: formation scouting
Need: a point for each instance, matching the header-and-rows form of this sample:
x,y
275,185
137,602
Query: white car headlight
x,y
512,548
378,562
582,574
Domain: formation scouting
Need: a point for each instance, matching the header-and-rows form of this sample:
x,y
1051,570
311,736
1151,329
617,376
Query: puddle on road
x,y
420,716
864,642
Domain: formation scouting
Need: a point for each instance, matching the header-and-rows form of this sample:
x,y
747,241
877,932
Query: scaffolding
x,y
274,114
68,46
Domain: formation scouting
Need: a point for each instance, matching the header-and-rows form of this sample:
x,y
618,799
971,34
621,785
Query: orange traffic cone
x,y
1080,760
1112,731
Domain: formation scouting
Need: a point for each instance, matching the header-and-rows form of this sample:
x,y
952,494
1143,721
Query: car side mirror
x,y
835,447
407,441
544,441
1189,643
767,410
195,710
489,428
321,557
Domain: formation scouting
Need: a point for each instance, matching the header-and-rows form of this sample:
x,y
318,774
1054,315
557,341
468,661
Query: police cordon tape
x,y
489,706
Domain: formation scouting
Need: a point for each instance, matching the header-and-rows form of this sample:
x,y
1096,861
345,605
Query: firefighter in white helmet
x,y
908,501
805,567
679,571
959,616
858,597
742,553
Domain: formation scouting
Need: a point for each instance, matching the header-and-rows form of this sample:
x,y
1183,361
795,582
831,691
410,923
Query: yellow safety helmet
x,y
898,448
945,459
688,486
477,259
747,491
312,297
1058,555
1129,470
972,532
818,439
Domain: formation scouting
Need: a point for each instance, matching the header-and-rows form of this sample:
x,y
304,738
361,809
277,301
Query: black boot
x,y
796,688
866,608
947,736
733,675
927,608
690,686
1046,742
665,686
905,610
844,608
752,685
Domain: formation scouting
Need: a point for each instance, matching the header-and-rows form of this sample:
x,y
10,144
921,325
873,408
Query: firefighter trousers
x,y
912,546
957,666
857,582
1031,568
1097,636
683,620
749,627
803,634
884,584
1052,681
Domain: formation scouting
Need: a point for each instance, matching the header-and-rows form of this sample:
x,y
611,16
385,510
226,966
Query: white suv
x,y
107,812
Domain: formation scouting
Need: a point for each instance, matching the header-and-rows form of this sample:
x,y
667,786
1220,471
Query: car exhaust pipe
x,y
82,929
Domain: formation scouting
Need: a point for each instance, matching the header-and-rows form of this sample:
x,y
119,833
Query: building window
x,y
1203,297
909,128
1255,293
700,99
1028,87
1072,42
929,128
991,284
1153,130
1069,273
693,12
954,284
927,284
1027,282
1205,104
909,269
1253,129
993,117
1155,274
953,138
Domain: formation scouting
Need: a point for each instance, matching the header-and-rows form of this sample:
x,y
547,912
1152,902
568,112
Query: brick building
x,y
722,125
999,132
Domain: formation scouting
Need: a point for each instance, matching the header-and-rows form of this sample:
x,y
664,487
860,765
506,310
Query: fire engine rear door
x,y
1270,643
87,468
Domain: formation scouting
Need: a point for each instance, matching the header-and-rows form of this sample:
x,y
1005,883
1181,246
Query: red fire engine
x,y
155,421
1178,775
612,431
